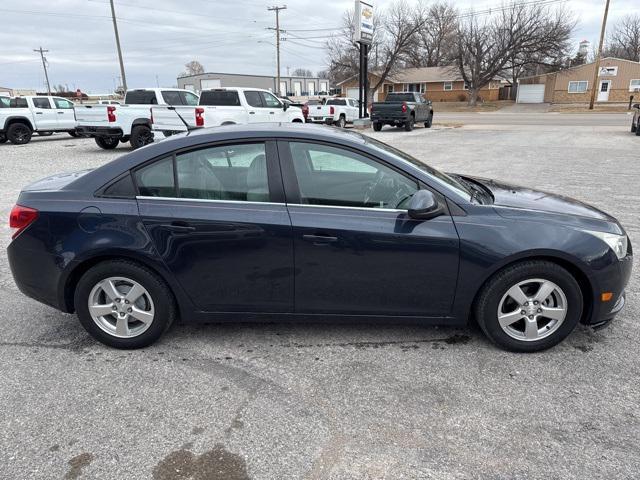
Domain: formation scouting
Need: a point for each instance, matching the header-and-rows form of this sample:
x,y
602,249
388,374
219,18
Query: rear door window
x,y
156,180
220,98
254,99
141,97
41,103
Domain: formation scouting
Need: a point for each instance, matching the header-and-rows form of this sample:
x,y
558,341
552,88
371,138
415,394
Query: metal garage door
x,y
353,93
530,94
212,83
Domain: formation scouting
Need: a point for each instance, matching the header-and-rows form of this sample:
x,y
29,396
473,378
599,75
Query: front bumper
x,y
614,279
100,131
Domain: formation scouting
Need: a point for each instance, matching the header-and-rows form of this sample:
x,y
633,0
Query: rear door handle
x,y
179,227
319,239
252,113
60,113
38,113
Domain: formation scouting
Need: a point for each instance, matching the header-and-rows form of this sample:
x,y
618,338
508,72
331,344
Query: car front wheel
x,y
123,304
529,306
3,138
141,135
19,133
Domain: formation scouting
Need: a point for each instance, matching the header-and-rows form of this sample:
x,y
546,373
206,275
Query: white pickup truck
x,y
225,106
21,117
131,121
338,111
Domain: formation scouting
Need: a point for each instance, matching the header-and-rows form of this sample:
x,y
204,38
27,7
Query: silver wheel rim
x,y
121,307
532,310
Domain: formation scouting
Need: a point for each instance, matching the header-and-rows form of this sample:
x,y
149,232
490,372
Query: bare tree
x,y
324,74
520,35
302,72
193,68
624,40
434,45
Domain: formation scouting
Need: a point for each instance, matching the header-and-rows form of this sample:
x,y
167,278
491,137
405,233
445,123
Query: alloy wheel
x,y
121,307
532,309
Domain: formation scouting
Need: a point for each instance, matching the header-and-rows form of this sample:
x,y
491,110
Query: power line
x,y
44,65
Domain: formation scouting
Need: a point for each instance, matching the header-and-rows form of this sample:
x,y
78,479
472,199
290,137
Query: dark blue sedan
x,y
282,221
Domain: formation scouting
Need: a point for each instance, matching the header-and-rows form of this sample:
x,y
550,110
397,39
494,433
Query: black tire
x,y
45,134
342,122
638,129
3,138
73,133
491,294
19,133
107,143
377,126
409,124
429,121
165,310
141,135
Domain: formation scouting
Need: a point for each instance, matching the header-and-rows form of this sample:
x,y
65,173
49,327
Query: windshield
x,y
437,175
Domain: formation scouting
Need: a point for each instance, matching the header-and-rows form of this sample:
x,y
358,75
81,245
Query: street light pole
x,y
594,85
115,29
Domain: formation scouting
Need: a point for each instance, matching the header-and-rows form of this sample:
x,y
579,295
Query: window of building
x,y
579,86
634,85
448,86
388,88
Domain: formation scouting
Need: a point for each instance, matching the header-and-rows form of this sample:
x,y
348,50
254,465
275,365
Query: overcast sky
x,y
159,36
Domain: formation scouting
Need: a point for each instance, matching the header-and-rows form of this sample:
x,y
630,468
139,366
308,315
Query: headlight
x,y
618,243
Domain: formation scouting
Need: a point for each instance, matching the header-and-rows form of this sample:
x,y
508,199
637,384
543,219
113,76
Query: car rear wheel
x,y
141,135
638,129
107,143
529,306
123,304
377,126
19,133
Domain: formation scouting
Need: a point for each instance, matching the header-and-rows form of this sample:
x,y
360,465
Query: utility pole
x,y
277,29
115,29
594,85
44,65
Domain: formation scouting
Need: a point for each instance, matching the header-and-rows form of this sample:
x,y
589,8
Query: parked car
x,y
21,117
226,106
635,121
402,110
307,106
275,221
130,122
338,111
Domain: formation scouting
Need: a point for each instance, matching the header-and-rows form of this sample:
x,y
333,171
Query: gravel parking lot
x,y
284,401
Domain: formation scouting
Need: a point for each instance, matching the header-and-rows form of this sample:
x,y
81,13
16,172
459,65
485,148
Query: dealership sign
x,y
364,22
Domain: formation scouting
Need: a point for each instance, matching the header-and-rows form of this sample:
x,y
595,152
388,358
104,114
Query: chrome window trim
x,y
242,202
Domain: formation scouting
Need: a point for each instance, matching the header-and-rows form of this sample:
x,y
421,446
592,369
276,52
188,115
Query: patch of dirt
x,y
215,464
77,464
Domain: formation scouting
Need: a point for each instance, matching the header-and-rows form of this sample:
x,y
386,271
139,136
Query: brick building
x,y
617,80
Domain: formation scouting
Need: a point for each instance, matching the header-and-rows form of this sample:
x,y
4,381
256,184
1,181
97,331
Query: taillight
x,y
332,110
404,108
111,114
20,218
199,117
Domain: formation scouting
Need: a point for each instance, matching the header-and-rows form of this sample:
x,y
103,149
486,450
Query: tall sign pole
x,y
277,10
115,29
44,65
594,85
363,36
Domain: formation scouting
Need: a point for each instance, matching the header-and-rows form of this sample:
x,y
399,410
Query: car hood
x,y
513,196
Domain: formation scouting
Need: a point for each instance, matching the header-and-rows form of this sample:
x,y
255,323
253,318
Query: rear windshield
x,y
336,101
4,102
220,98
141,97
401,97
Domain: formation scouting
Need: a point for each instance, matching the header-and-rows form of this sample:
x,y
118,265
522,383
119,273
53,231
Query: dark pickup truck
x,y
402,110
635,121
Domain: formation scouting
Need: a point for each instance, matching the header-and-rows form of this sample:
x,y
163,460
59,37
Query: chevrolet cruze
x,y
294,221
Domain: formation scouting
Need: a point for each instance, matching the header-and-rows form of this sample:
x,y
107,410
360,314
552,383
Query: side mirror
x,y
423,206
285,106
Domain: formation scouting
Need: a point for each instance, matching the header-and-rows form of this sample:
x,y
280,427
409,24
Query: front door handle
x,y
179,227
319,239
60,113
252,113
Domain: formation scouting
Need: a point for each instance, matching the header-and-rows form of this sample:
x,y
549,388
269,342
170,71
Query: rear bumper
x,y
99,131
38,274
389,118
327,120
